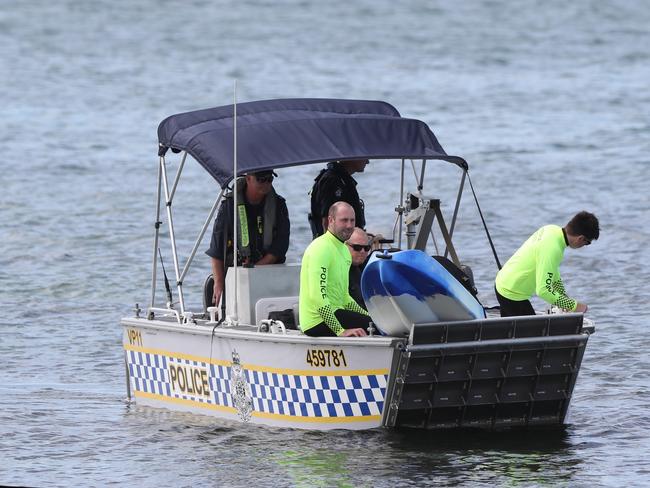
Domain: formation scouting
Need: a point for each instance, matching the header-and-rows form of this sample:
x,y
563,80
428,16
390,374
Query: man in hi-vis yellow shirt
x,y
534,268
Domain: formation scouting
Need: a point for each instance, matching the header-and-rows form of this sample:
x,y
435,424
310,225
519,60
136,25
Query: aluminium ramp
x,y
490,373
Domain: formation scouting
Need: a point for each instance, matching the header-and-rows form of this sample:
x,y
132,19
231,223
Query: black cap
x,y
266,172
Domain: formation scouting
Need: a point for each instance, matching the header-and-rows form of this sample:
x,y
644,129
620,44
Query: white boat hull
x,y
279,380
490,373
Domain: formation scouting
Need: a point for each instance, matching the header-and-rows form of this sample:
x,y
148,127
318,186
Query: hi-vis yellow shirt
x,y
534,269
324,279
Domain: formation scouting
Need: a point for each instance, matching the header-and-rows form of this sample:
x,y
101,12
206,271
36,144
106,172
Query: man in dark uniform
x,y
336,184
263,233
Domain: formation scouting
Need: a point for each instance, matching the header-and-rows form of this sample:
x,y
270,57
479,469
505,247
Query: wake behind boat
x,y
435,361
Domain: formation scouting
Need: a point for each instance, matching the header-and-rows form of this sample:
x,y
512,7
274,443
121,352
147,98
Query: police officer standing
x,y
263,228
334,184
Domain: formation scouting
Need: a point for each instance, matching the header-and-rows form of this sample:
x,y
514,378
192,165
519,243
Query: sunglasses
x,y
264,179
359,247
587,241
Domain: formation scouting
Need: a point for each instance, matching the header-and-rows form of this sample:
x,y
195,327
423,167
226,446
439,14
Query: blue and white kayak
x,y
408,287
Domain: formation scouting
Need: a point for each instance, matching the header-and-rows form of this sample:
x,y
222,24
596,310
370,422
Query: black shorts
x,y
512,308
348,319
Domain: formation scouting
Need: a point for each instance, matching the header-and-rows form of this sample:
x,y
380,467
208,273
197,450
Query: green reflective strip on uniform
x,y
243,222
265,224
330,319
353,306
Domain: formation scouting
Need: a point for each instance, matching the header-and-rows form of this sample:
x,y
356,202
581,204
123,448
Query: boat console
x,y
262,289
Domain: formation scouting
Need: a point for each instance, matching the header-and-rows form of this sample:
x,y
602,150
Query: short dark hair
x,y
584,224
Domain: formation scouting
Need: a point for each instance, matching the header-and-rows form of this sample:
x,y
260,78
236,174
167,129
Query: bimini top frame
x,y
274,134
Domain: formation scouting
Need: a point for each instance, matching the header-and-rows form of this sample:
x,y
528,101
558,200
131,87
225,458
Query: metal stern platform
x,y
491,373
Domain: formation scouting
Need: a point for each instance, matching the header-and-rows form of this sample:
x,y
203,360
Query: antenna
x,y
234,175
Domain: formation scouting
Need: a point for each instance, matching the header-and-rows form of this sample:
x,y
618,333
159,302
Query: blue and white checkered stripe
x,y
274,393
317,396
220,385
149,373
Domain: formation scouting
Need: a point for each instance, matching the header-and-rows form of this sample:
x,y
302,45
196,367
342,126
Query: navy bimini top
x,y
274,134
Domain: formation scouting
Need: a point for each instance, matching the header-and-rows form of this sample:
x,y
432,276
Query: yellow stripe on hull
x,y
262,415
263,369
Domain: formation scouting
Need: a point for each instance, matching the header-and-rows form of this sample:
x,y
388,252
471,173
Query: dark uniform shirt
x,y
354,285
255,214
332,185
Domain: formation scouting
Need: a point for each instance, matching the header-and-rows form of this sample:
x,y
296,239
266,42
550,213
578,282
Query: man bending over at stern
x,y
263,228
326,307
534,268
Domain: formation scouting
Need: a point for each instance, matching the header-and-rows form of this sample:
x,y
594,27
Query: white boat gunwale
x,y
249,332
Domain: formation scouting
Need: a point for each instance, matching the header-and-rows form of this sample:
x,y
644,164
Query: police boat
x,y
436,359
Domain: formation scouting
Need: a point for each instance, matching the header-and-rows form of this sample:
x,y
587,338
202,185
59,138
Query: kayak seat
x,y
463,274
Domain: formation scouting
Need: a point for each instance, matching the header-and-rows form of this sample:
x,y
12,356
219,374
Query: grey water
x,y
547,101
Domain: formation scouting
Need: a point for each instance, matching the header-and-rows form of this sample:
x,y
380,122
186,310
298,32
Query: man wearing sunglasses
x,y
335,184
534,268
262,228
359,247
